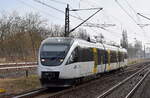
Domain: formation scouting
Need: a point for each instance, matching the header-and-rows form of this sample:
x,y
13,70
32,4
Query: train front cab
x,y
51,61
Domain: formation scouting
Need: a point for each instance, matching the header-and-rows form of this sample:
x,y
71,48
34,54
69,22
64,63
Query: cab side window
x,y
73,57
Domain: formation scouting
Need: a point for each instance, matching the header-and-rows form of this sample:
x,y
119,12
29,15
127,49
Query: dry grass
x,y
17,85
134,61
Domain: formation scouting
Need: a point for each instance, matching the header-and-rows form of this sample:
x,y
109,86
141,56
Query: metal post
x,y
144,52
27,73
67,21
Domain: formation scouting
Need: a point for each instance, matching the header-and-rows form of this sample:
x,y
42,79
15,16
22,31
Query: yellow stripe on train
x,y
95,70
95,57
108,67
2,90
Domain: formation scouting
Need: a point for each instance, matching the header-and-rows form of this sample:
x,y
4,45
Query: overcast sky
x,y
112,13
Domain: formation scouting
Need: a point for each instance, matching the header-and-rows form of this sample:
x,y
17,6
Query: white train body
x,y
62,60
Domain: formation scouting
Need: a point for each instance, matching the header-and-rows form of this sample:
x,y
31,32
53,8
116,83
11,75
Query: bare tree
x,y
20,34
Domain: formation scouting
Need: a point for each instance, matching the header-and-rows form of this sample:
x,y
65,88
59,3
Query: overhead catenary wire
x,y
111,31
86,3
59,2
92,28
102,28
72,15
130,17
135,12
93,1
131,7
86,19
121,23
38,1
103,10
107,30
61,11
137,16
126,12
85,9
79,18
117,26
82,19
143,16
145,13
77,14
48,14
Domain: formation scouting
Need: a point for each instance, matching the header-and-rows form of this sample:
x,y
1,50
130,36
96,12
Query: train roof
x,y
84,43
98,45
65,40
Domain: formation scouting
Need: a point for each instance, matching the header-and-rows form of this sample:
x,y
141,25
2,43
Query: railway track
x,y
56,94
30,93
48,93
40,92
127,87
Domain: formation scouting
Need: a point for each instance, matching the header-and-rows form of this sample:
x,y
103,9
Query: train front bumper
x,y
57,83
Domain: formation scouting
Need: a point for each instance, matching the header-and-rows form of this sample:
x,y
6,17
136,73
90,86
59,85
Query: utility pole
x,y
67,22
67,26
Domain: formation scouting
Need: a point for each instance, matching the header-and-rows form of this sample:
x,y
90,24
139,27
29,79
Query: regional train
x,y
63,60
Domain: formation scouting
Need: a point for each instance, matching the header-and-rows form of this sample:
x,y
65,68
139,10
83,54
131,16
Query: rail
x,y
110,91
137,85
18,67
82,85
30,93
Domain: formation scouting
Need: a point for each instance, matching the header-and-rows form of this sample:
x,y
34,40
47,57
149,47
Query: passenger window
x,y
73,57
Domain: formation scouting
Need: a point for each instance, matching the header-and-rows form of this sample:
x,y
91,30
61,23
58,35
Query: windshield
x,y
53,54
51,48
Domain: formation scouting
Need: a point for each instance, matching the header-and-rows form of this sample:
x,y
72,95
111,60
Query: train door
x,y
108,65
72,67
117,59
100,60
86,60
105,60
